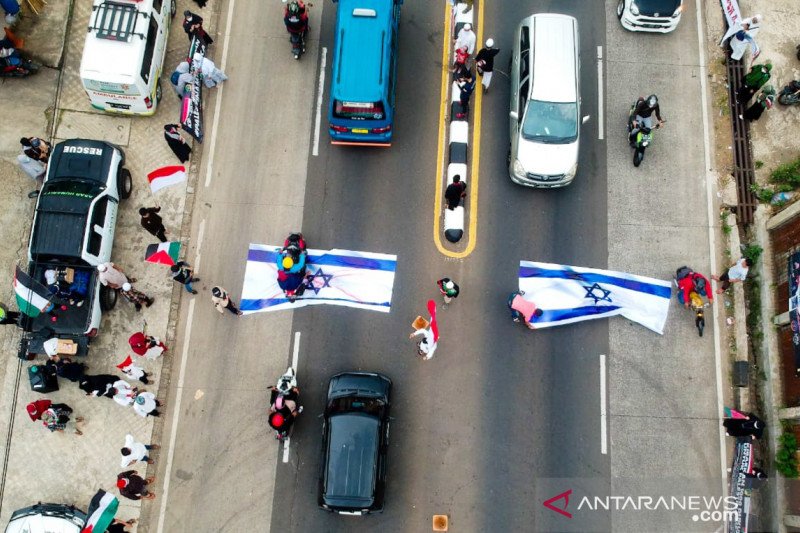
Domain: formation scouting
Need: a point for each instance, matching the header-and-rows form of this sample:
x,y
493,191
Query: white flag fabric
x,y
568,294
337,277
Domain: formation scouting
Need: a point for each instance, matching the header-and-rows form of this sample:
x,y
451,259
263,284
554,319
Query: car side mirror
x,y
586,119
513,115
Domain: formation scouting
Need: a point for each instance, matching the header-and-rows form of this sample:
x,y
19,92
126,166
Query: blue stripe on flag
x,y
367,263
556,315
263,303
592,277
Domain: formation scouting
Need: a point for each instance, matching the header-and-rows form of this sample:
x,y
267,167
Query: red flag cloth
x,y
138,343
127,362
434,325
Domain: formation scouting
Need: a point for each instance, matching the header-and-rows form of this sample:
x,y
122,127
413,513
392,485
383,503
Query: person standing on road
x,y
522,309
193,26
145,404
135,451
147,346
466,37
484,63
152,222
749,426
466,85
136,297
455,192
182,273
449,290
133,486
755,79
222,301
8,317
112,276
735,274
427,346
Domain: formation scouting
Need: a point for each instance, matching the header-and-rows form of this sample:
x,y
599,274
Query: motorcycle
x,y
292,266
696,302
284,397
641,139
16,66
790,95
297,25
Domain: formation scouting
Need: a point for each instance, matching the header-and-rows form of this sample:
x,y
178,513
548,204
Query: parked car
x,y
545,116
47,518
661,16
73,232
355,441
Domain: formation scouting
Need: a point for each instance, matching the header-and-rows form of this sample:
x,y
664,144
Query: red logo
x,y
560,510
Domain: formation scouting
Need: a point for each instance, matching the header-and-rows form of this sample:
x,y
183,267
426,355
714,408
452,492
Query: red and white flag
x,y
166,176
434,326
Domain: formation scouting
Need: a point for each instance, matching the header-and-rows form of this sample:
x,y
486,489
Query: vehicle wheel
x,y
173,8
108,298
638,155
701,324
620,9
124,183
158,92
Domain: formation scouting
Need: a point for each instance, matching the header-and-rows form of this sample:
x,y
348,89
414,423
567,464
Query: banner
x,y
337,277
733,16
568,294
794,300
740,489
192,105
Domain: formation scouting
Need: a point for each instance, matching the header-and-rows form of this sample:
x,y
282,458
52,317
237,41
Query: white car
x,y
661,16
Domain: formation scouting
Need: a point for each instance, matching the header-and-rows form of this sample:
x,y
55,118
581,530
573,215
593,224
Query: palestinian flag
x,y
32,297
733,413
101,512
166,176
164,253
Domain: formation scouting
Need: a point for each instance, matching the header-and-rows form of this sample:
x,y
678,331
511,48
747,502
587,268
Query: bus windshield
x,y
358,110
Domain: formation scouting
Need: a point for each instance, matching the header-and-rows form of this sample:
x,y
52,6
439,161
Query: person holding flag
x,y
430,335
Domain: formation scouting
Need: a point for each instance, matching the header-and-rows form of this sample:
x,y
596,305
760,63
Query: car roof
x,y
557,35
352,457
105,57
362,50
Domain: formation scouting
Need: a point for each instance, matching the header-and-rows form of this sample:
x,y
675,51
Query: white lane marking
x,y
600,132
176,410
200,233
295,358
712,246
603,416
320,89
218,103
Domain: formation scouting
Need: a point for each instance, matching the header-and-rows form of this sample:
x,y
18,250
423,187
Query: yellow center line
x,y
473,164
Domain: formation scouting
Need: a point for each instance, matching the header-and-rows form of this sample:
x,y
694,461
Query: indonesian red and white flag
x,y
434,326
166,176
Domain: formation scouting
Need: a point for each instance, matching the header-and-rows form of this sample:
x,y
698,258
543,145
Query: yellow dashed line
x,y
474,163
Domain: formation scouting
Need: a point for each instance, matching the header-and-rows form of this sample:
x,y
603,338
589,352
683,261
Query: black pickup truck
x,y
73,232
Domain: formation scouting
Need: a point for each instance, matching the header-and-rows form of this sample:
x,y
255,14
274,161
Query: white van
x,y
545,101
124,54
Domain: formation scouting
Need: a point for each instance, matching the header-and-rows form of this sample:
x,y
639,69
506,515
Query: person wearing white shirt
x,y
735,274
427,345
122,392
134,451
466,37
145,404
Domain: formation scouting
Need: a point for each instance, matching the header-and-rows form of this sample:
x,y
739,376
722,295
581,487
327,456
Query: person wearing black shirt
x,y
455,192
485,63
153,223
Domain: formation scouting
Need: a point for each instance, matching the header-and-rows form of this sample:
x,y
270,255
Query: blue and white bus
x,y
364,72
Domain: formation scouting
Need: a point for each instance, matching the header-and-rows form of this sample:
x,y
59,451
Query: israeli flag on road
x,y
567,294
337,277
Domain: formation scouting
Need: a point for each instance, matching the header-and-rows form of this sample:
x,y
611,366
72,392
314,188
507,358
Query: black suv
x,y
355,439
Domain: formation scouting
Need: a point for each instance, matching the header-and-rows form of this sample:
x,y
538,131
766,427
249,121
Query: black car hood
x,y
662,7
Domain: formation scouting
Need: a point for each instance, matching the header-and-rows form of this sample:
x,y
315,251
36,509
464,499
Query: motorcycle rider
x,y
295,18
283,409
643,115
694,281
291,263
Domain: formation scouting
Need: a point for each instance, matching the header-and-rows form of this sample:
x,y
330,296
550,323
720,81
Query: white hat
x,y
102,268
449,285
489,43
468,26
126,287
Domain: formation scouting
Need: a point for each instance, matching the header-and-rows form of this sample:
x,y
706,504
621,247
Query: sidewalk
x,y
63,467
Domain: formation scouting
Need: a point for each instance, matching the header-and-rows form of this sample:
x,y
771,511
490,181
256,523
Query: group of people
x,y
197,65
464,46
426,346
34,156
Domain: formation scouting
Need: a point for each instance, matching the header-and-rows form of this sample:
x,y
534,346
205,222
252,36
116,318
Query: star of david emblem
x,y
310,281
593,291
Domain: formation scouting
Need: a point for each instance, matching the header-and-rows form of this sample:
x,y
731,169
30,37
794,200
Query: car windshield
x,y
550,122
353,402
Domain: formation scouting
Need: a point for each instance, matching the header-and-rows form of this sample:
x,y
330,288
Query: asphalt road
x,y
502,418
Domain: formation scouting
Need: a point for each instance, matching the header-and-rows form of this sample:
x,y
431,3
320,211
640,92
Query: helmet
x,y
293,8
468,26
276,420
652,101
126,287
287,262
489,43
216,291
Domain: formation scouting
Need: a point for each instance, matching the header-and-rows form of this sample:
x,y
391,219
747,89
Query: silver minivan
x,y
545,101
